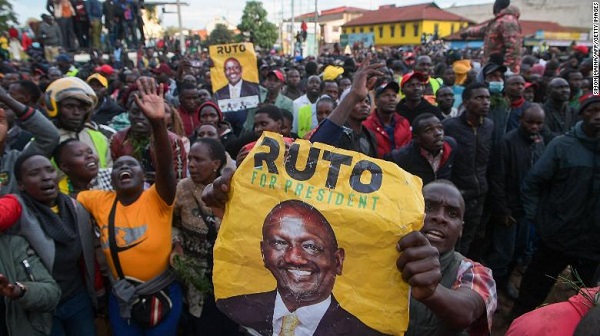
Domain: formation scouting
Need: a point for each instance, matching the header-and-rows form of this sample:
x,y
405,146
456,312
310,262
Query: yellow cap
x,y
332,72
99,78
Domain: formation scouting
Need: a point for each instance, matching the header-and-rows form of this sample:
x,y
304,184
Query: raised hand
x,y
150,101
215,194
3,126
365,77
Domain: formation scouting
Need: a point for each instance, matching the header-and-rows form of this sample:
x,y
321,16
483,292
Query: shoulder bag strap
x,y
112,240
209,220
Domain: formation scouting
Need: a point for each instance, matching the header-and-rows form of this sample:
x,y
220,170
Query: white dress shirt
x,y
309,316
235,91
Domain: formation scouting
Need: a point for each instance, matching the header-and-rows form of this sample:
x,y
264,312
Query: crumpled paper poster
x,y
309,239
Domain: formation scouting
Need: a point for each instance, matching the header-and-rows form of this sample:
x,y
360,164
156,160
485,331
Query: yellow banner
x,y
304,220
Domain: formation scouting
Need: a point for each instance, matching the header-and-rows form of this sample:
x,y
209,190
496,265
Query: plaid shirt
x,y
476,277
103,180
434,161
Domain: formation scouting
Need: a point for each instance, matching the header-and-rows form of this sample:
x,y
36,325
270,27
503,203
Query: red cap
x,y
105,69
582,49
528,85
587,100
419,75
277,74
162,69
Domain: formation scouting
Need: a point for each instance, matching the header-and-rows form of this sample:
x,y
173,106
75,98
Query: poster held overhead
x,y
234,76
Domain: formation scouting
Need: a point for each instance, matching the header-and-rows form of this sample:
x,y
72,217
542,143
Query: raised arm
x,y
475,31
152,105
363,81
331,129
45,134
420,267
215,195
50,7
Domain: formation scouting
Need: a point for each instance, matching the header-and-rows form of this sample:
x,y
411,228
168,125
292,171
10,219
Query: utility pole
x,y
293,35
181,37
316,34
178,4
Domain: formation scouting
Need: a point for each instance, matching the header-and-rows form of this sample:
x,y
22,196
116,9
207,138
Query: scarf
x,y
517,103
61,227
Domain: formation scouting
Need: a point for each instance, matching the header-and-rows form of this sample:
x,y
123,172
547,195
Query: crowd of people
x,y
78,24
115,173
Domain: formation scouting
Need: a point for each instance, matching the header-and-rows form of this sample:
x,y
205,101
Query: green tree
x,y
171,30
256,27
220,35
7,15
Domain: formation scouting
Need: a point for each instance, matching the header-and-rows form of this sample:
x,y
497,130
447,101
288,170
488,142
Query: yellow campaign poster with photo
x,y
309,239
234,76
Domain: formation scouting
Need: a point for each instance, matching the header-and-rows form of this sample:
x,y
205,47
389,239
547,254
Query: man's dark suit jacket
x,y
255,311
248,89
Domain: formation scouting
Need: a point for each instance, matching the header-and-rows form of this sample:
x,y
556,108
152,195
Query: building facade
x,y
394,26
327,30
572,13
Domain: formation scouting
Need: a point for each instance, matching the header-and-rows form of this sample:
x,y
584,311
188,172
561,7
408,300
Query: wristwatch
x,y
22,288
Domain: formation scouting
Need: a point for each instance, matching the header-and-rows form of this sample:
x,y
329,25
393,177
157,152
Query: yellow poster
x,y
234,76
309,238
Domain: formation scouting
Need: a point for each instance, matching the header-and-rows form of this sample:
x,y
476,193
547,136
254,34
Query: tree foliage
x,y
7,16
220,35
256,27
171,30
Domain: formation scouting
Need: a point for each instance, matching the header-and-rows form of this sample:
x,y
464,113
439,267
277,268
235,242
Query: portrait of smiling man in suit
x,y
236,87
300,250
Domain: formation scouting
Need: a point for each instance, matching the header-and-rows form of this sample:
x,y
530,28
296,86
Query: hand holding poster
x,y
234,76
308,241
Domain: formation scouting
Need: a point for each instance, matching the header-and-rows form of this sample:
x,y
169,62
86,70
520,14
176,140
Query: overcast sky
x,y
199,12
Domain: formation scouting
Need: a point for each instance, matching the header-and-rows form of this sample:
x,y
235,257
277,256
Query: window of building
x,y
380,31
392,30
436,28
452,28
402,30
354,30
362,30
371,29
416,29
